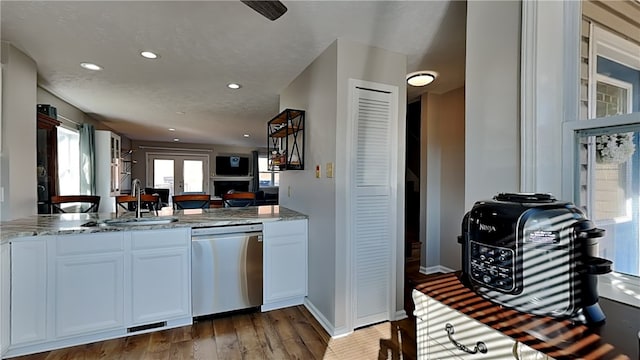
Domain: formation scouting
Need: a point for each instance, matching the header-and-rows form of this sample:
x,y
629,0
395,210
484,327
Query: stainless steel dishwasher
x,y
226,268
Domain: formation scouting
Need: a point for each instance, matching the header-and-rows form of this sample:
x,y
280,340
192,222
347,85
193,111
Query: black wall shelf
x,y
285,140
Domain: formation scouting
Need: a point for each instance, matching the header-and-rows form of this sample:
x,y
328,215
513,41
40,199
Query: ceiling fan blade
x,y
271,9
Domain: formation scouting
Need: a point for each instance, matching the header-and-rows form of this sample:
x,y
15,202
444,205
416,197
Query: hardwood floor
x,y
290,333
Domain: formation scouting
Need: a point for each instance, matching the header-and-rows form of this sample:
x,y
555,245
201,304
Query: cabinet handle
x,y
480,346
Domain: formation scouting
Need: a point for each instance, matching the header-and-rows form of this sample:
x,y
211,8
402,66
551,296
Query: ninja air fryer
x,y
530,252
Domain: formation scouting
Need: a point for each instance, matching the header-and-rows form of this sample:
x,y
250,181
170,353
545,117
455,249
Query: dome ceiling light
x,y
91,66
149,55
421,78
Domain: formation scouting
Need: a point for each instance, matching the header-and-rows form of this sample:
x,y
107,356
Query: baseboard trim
x,y
399,315
282,304
435,269
326,324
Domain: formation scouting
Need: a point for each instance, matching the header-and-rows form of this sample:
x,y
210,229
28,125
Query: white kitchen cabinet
x,y
5,291
88,295
29,290
160,277
73,289
107,151
445,333
285,263
524,352
452,330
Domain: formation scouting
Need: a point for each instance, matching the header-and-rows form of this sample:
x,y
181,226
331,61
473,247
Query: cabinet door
x,y
285,260
106,170
89,294
420,301
524,352
115,165
88,283
160,287
453,331
28,290
5,292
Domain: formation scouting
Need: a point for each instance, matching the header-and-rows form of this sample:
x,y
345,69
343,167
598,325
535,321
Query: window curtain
x,y
255,182
87,160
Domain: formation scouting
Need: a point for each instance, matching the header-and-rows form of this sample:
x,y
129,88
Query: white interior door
x,y
179,173
374,110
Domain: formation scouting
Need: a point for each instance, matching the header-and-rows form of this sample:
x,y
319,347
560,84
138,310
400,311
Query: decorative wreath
x,y
614,148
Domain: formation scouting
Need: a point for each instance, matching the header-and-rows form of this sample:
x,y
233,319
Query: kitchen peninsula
x,y
80,278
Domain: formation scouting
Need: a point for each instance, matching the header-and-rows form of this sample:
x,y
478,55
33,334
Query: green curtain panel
x,y
87,160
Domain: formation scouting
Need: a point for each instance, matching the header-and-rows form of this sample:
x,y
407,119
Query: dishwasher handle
x,y
223,230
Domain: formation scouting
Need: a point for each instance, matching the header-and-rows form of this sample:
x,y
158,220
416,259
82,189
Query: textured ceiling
x,y
204,45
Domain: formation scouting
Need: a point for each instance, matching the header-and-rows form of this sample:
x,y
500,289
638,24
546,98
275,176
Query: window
x,y
607,150
268,178
68,161
609,191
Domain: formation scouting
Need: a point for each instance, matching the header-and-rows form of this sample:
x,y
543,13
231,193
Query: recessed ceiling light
x,y
180,112
234,86
176,139
91,66
172,129
149,55
246,135
421,78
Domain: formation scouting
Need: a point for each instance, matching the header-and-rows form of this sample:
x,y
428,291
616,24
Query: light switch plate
x,y
329,170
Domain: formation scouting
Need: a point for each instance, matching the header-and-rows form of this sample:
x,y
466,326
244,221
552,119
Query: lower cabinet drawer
x,y
524,352
463,336
435,351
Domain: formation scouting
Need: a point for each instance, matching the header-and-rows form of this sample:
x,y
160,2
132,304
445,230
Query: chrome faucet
x,y
137,190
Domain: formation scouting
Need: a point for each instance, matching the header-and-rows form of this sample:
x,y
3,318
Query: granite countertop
x,y
60,224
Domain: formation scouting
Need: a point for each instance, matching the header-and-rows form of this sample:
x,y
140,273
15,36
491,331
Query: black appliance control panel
x,y
492,266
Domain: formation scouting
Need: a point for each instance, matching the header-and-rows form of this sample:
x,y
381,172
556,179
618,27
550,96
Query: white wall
x,y
431,158
443,147
321,90
314,91
492,93
452,176
18,177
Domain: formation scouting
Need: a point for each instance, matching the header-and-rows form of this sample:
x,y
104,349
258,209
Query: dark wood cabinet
x,y
47,161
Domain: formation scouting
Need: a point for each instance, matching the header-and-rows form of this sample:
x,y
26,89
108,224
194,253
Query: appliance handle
x,y
480,346
230,229
525,197
591,233
584,229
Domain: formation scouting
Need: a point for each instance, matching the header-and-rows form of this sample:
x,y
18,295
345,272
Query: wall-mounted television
x,y
232,165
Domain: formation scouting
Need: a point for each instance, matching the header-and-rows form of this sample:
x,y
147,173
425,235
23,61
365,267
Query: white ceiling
x,y
204,45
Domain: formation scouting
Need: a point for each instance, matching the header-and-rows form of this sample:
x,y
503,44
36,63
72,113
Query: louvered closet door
x,y
371,204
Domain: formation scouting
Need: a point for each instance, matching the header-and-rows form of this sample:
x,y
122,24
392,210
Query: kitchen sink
x,y
138,221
